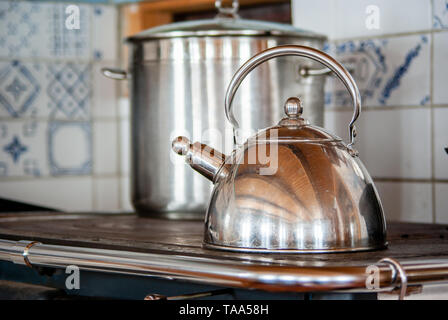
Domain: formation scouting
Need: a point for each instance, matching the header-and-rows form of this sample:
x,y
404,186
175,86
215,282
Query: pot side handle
x,y
306,71
114,73
301,51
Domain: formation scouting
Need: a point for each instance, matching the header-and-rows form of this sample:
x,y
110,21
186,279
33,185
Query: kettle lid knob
x,y
293,107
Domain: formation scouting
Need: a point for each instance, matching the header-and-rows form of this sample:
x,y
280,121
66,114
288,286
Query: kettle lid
x,y
223,27
294,128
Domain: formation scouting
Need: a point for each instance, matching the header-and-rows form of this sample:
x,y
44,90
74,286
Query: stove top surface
x,y
407,241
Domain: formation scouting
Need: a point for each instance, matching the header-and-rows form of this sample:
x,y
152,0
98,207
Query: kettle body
x,y
293,187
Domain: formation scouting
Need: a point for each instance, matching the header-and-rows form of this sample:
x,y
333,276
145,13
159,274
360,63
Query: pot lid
x,y
293,128
223,26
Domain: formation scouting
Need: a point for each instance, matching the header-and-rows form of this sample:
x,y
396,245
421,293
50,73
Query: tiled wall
x,y
64,131
59,122
402,70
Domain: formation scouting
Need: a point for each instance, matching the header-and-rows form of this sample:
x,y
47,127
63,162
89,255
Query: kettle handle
x,y
301,51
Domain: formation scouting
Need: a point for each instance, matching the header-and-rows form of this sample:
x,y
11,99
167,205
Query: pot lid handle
x,y
301,51
227,11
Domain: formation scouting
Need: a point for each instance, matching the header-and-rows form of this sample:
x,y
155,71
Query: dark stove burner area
x,y
129,257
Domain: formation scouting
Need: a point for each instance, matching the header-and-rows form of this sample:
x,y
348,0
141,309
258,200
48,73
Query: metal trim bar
x,y
221,273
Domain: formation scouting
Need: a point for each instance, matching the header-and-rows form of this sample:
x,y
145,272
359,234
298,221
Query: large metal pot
x,y
178,75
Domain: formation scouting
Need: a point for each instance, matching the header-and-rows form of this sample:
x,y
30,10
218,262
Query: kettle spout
x,y
202,158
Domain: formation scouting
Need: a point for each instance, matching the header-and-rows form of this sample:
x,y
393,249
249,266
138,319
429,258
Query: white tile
x,y
337,122
105,147
67,194
440,72
395,143
440,11
316,16
125,146
104,30
70,148
360,18
441,142
441,190
389,71
391,143
23,148
106,196
124,107
406,201
104,94
126,204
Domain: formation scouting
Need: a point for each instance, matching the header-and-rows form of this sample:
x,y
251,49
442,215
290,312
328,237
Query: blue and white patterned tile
x,y
23,148
68,90
21,89
70,148
65,42
389,72
31,29
104,32
20,27
440,14
42,90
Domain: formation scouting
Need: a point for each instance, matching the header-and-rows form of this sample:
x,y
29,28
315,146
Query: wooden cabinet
x,y
140,16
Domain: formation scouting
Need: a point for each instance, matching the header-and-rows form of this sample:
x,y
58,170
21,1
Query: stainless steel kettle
x,y
292,187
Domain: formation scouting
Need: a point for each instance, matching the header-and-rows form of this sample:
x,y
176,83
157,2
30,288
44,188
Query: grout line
x,y
42,119
432,133
85,2
388,35
119,117
91,97
122,174
118,87
410,180
56,60
93,106
374,108
60,177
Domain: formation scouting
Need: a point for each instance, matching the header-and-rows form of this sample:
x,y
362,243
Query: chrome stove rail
x,y
223,273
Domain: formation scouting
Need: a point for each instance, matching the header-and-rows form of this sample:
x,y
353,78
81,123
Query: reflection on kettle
x,y
292,187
